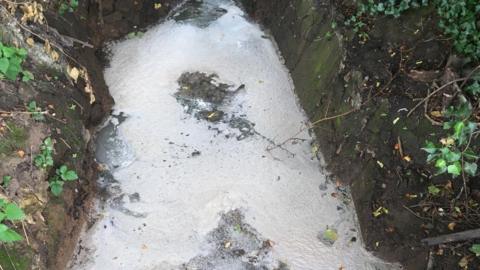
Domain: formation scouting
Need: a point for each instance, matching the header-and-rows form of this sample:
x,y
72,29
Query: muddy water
x,y
194,180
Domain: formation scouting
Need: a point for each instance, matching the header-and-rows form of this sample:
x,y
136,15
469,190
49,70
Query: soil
x,y
53,223
381,80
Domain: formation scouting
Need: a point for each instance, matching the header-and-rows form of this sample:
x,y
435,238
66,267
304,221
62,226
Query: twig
x,y
453,237
83,43
413,213
433,93
25,233
69,147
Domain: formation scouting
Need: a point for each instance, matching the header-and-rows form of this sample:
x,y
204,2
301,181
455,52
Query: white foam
x,y
183,196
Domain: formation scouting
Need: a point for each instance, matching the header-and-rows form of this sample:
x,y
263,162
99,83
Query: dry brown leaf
x,y
32,12
54,55
21,153
451,226
30,41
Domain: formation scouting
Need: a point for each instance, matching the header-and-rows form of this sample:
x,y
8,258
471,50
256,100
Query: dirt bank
x,y
359,93
64,56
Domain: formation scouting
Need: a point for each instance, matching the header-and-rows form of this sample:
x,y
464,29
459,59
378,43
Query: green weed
x,y
11,60
9,212
67,6
62,174
36,112
44,159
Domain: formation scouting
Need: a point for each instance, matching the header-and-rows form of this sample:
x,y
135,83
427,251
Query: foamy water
x,y
178,198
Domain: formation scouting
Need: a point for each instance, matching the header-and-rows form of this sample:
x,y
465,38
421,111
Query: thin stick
x,y
69,147
433,93
25,233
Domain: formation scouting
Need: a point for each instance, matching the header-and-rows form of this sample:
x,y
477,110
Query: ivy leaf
x,y
430,147
455,169
470,168
440,163
13,212
475,249
433,190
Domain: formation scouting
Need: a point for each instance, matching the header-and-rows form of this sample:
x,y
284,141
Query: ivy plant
x,y
454,155
62,174
11,60
44,159
67,6
458,19
9,212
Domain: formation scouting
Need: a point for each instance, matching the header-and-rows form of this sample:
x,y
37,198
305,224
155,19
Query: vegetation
x,y
44,159
9,212
67,6
11,60
458,19
62,174
36,112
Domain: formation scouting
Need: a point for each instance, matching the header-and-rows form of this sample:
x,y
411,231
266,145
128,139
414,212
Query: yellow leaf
x,y
157,6
30,42
73,73
436,113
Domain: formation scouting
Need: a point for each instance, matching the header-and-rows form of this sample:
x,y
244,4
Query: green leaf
x,y
440,163
70,176
6,180
470,168
4,63
9,236
56,187
433,190
27,76
458,129
8,51
429,147
63,169
475,248
452,156
13,212
455,169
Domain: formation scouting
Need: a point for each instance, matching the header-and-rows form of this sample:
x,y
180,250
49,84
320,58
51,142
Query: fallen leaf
x,y
74,73
228,244
21,153
451,226
30,41
407,158
157,6
437,114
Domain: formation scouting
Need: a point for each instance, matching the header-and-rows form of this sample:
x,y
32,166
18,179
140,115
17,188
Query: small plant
x,y
45,159
67,6
6,179
9,212
11,60
433,190
475,248
454,155
57,181
36,112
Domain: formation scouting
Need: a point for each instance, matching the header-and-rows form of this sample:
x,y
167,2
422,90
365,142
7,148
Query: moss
x,y
13,139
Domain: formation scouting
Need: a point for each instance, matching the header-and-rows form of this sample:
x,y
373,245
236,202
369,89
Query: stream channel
x,y
194,177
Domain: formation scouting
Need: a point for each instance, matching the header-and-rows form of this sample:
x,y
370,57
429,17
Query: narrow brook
x,y
193,179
